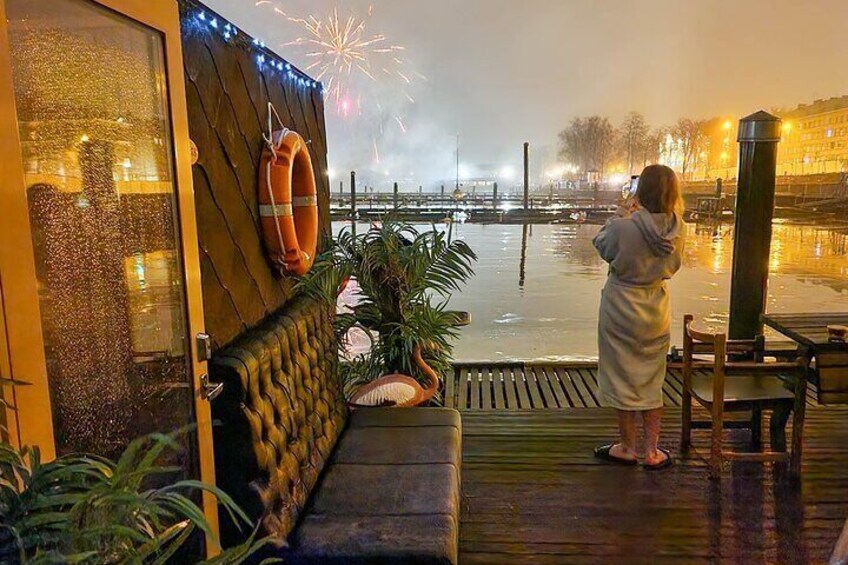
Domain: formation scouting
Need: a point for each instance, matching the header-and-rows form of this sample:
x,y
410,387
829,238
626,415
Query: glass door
x,y
101,290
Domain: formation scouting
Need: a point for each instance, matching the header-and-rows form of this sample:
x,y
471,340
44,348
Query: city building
x,y
815,138
815,141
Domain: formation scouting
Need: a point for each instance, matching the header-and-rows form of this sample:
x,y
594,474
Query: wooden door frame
x,y
30,427
24,348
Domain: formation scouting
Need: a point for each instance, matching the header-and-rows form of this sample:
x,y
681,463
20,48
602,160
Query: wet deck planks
x,y
533,493
521,386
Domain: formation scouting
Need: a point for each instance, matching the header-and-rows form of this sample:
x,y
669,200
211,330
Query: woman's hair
x,y
659,190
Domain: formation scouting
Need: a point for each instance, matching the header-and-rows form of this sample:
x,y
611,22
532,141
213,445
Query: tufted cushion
x,y
279,416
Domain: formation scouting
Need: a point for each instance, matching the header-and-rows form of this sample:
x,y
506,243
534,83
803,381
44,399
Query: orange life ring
x,y
288,202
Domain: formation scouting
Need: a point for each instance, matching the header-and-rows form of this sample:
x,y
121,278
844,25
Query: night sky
x,y
500,72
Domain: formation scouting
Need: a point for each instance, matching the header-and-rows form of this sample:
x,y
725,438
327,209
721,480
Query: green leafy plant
x,y
86,509
405,279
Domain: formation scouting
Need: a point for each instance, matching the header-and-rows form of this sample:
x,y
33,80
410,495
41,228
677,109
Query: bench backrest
x,y
279,416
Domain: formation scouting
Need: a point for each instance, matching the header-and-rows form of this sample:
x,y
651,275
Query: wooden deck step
x,y
542,386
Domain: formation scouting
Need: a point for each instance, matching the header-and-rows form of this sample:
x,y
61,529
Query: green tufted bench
x,y
372,486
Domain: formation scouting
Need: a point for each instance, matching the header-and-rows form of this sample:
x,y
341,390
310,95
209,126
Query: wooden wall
x,y
228,93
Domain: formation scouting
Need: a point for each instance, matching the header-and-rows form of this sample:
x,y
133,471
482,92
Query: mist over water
x,y
547,305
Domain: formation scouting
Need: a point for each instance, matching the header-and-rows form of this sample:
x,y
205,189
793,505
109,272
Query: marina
x,y
815,198
216,348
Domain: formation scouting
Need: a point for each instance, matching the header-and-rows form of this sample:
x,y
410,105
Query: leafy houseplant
x,y
89,510
405,278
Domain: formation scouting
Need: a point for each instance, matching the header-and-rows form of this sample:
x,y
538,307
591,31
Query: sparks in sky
x,y
341,51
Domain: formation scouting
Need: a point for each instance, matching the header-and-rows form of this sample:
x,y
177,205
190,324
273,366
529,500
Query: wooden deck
x,y
522,386
533,493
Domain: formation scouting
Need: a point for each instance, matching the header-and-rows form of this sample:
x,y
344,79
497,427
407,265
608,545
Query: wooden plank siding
x,y
541,386
227,95
533,493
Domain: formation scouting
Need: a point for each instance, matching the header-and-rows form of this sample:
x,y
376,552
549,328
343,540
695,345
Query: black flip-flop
x,y
665,464
604,454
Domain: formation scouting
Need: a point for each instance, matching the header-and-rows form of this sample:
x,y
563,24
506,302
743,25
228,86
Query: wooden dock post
x,y
353,195
395,196
526,175
719,203
495,196
758,137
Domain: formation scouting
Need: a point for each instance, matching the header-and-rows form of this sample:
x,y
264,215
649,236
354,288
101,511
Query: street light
x,y
507,172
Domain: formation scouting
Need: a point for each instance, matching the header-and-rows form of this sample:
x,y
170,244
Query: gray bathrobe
x,y
643,251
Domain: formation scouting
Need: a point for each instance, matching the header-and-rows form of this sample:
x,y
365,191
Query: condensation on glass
x,y
92,107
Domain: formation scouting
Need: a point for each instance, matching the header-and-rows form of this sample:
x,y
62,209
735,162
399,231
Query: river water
x,y
536,289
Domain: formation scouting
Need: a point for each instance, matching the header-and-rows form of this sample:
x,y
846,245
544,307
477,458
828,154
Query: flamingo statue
x,y
398,390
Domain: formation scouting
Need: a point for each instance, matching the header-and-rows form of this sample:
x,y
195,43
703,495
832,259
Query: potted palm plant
x,y
405,278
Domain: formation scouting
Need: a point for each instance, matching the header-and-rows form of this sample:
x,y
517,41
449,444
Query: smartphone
x,y
634,184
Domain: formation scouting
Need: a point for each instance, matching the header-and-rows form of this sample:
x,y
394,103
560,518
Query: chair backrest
x,y
279,415
705,343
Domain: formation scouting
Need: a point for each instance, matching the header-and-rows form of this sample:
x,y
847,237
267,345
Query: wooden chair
x,y
747,385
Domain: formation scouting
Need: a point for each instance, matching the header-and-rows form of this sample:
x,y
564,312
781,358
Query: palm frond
x,y
400,273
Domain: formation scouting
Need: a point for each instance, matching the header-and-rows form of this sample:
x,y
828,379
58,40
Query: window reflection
x,y
94,130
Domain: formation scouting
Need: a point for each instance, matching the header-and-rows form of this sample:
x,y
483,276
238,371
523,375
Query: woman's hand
x,y
627,208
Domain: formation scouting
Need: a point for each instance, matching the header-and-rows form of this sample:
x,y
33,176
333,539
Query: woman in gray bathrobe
x,y
643,247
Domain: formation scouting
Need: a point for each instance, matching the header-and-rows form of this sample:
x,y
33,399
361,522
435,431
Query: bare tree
x,y
692,140
654,145
588,143
632,138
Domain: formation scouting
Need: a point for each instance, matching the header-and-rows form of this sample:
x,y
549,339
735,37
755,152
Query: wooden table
x,y
831,357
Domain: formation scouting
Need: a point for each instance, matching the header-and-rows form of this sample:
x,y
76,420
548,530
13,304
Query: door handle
x,y
209,390
204,347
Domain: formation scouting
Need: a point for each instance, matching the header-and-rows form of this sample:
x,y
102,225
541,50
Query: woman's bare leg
x,y
626,448
652,421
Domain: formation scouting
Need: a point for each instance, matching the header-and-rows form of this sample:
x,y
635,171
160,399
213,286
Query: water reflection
x,y
96,151
552,311
522,269
815,255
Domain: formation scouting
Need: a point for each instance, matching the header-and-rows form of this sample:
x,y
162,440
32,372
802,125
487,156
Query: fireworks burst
x,y
341,51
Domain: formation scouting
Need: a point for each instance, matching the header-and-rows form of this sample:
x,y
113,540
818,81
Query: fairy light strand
x,y
265,58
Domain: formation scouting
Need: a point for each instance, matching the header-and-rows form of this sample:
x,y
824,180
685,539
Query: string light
x,y
264,59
